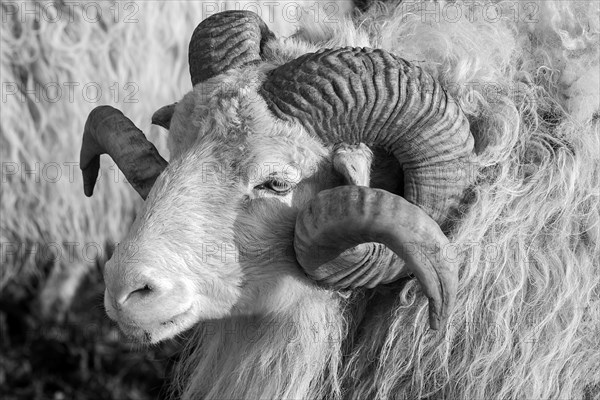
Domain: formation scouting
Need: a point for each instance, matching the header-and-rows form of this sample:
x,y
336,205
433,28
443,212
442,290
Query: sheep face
x,y
215,235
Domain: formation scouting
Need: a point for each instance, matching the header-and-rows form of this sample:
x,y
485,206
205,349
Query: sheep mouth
x,y
176,317
159,331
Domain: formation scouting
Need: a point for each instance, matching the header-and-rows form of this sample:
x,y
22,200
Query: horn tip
x,y
162,117
434,321
88,189
160,123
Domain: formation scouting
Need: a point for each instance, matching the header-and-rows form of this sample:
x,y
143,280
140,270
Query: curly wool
x,y
526,323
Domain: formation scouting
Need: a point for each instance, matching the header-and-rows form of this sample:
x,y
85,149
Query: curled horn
x,y
344,217
223,41
369,96
108,131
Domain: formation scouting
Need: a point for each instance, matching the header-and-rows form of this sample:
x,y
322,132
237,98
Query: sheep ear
x,y
353,162
162,117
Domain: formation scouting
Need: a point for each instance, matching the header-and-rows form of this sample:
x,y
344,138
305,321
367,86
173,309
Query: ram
x,y
311,177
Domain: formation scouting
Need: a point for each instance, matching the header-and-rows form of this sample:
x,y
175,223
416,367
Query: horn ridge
x,y
405,110
226,40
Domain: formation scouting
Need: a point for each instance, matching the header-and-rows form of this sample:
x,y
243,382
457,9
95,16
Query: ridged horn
x,y
355,95
340,218
108,131
226,40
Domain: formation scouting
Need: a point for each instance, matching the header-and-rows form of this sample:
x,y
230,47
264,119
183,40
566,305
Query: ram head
x,y
333,170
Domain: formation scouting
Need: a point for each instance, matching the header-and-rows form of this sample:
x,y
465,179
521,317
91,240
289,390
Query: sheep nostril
x,y
140,293
143,290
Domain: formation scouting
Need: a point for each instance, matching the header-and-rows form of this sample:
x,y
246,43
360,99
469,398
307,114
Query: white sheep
x,y
263,219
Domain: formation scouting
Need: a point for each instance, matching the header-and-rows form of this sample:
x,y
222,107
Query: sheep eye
x,y
277,186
